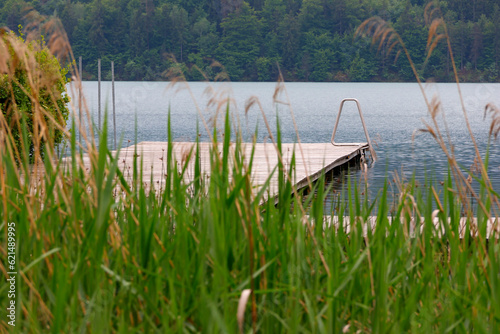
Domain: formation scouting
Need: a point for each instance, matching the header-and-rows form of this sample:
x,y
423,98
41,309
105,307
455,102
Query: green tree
x,y
137,34
289,33
180,20
318,51
141,24
267,69
11,13
70,15
460,34
272,14
312,15
239,47
492,43
360,69
206,37
321,64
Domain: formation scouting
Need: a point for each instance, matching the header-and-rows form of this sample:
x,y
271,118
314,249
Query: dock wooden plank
x,y
316,158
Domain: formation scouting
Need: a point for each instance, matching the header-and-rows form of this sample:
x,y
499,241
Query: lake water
x,y
393,113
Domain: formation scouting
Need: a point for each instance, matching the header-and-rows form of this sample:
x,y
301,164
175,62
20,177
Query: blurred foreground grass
x,y
99,253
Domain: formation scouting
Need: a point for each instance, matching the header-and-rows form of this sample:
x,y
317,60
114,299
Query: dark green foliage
x,y
146,37
239,47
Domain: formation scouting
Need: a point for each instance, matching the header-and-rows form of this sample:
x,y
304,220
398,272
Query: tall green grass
x,y
98,252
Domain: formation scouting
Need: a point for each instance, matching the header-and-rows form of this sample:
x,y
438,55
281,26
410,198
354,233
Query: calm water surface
x,y
393,112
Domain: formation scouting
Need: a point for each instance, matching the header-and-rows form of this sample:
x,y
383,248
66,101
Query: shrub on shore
x,y
33,95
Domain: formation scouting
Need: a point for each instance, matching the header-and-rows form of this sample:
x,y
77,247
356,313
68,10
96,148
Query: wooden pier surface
x,y
316,158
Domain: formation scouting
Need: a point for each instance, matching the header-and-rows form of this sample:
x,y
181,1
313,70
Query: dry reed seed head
x,y
435,106
200,71
218,97
174,74
382,33
495,119
433,31
26,57
434,37
390,39
185,154
475,167
52,27
392,46
429,129
225,103
280,87
59,46
216,64
431,11
209,91
377,139
213,101
250,103
222,75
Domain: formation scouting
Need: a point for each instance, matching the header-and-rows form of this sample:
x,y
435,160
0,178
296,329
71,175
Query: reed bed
x,y
179,260
97,252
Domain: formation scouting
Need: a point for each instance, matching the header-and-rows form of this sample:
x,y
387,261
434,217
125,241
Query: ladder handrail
x,y
372,151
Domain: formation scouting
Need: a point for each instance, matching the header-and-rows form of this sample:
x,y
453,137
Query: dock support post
x,y
80,127
99,94
113,94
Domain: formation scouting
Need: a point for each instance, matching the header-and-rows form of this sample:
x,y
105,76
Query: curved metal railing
x,y
372,151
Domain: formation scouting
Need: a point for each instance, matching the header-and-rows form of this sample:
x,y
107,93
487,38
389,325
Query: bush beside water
x,y
33,97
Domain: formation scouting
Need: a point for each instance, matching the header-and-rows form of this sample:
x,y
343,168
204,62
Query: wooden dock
x,y
316,159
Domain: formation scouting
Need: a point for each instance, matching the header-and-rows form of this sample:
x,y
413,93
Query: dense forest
x,y
307,40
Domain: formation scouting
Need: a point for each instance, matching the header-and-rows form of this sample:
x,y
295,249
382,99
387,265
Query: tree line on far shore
x,y
255,40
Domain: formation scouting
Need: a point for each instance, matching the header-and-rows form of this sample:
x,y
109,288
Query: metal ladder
x,y
372,151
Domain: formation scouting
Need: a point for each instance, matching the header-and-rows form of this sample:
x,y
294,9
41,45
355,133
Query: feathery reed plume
x,y
40,25
495,119
383,34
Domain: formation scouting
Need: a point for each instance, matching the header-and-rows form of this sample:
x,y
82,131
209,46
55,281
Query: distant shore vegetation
x,y
307,40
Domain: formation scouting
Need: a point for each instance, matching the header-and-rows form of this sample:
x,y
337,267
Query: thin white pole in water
x,y
80,99
99,94
113,93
